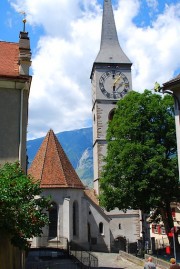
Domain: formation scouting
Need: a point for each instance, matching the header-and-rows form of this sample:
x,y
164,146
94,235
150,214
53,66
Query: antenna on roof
x,y
24,20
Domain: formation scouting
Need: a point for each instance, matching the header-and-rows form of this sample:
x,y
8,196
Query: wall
x,y
10,257
158,262
13,121
130,224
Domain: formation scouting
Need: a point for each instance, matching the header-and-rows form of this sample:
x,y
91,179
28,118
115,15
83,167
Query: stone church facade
x,y
111,81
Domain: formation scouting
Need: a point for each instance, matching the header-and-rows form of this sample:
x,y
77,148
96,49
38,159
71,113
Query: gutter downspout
x,y
26,87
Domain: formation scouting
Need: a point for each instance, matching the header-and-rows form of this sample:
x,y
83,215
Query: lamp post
x,y
174,244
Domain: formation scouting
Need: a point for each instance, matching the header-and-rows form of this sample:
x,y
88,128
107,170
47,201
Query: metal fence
x,y
86,259
58,253
50,258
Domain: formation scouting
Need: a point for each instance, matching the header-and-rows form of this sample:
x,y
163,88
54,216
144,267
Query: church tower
x,y
111,80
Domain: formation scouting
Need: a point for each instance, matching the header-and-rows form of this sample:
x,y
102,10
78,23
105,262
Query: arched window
x,y
111,114
75,219
53,217
101,228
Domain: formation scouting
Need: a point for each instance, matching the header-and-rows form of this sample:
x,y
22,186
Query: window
x,y
53,217
101,228
75,219
163,231
155,229
111,115
120,226
173,212
89,232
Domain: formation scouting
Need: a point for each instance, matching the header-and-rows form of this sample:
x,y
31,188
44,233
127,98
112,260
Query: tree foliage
x,y
141,170
22,209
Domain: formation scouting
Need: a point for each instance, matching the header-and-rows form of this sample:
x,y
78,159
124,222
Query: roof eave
x,y
108,64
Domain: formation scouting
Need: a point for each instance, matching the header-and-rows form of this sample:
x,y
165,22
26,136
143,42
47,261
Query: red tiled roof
x,y
9,53
52,167
92,196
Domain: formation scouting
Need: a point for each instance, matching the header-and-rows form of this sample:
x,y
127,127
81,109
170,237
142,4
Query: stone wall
x,y
159,263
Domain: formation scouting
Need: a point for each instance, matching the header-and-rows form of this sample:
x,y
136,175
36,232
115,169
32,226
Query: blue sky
x,y
65,39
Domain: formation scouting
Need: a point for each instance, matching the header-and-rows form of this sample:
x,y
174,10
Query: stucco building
x,y
15,82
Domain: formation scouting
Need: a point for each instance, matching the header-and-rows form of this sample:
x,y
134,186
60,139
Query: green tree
x,y
22,208
141,170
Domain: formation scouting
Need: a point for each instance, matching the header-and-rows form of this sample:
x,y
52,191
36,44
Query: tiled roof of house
x,y
52,167
92,196
9,53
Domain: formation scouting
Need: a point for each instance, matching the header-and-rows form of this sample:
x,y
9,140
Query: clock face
x,y
114,84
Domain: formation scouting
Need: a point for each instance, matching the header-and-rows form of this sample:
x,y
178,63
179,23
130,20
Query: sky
x,y
65,40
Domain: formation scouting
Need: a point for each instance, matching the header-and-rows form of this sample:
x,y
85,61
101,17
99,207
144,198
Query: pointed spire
x,y
110,50
52,167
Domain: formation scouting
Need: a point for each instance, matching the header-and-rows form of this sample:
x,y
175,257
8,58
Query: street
x,y
112,260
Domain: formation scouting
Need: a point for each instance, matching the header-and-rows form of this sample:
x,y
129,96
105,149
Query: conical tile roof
x,y
52,167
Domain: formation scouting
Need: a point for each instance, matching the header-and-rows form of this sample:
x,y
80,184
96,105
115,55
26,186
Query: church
x,y
76,214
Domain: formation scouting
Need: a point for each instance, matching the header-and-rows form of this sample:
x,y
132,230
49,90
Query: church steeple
x,y
111,81
110,50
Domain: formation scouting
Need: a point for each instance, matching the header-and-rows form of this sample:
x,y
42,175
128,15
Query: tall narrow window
x,y
101,228
75,219
53,217
111,114
89,232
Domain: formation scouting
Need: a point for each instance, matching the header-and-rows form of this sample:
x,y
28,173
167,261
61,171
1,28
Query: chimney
x,y
24,54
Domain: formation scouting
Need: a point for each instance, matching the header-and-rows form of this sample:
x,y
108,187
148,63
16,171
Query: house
x,y
159,238
15,82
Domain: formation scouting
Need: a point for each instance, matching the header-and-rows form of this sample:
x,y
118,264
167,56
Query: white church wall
x,y
125,225
100,240
64,198
65,216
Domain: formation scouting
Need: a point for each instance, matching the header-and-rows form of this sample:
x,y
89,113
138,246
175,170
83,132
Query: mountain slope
x,y
77,144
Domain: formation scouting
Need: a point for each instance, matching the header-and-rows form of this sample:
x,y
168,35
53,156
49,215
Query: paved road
x,y
112,260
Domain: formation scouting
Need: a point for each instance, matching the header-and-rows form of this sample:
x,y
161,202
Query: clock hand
x,y
119,85
116,80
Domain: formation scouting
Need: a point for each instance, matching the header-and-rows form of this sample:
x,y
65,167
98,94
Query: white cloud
x,y
61,90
